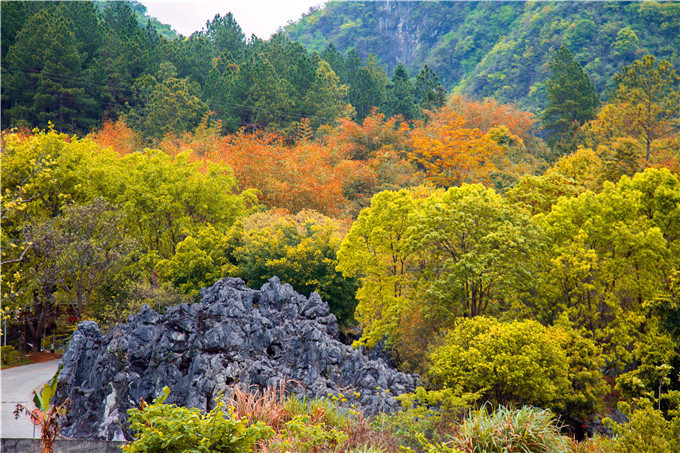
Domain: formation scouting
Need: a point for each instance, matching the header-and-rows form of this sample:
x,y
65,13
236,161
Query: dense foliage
x,y
98,62
506,270
498,50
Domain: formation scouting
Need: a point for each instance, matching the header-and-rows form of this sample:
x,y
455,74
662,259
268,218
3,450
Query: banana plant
x,y
45,414
42,399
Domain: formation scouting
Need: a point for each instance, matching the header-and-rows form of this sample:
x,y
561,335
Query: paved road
x,y
17,386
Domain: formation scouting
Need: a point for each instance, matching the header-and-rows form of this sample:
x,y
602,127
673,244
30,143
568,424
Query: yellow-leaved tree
x,y
451,154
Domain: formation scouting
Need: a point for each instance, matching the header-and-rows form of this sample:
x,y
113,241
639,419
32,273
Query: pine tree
x,y
46,86
337,62
169,104
400,99
367,87
269,97
572,101
327,98
226,36
430,94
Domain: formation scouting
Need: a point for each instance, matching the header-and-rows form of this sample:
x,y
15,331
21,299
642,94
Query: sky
x,y
260,17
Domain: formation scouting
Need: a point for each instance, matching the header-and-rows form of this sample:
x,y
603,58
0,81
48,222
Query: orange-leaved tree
x,y
303,176
489,113
376,158
374,135
451,154
119,136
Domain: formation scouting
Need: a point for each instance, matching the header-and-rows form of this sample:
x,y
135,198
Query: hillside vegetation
x,y
497,49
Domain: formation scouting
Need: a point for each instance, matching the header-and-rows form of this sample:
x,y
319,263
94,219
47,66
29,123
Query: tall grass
x,y
267,406
507,430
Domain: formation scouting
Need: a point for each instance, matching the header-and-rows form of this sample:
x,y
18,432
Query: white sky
x,y
260,17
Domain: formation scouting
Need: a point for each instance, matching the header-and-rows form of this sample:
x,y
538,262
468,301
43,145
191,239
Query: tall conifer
x,y
430,94
572,101
400,99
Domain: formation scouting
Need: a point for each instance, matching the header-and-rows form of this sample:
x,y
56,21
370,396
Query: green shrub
x,y
504,363
10,357
304,434
425,417
596,444
646,432
168,428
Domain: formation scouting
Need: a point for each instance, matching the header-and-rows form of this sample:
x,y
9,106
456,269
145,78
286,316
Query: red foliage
x,y
118,136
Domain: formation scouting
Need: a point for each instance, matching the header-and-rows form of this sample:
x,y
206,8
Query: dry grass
x,y
267,406
275,408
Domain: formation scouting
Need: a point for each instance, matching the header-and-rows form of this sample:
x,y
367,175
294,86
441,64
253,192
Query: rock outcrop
x,y
235,335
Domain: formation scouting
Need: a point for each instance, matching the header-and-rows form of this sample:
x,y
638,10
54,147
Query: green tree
x,y
336,61
429,92
300,250
14,17
41,175
173,105
377,250
626,43
653,375
540,193
200,260
89,247
607,261
517,362
649,93
646,432
327,98
46,86
166,199
572,101
223,92
400,98
268,95
226,36
368,85
477,252
457,253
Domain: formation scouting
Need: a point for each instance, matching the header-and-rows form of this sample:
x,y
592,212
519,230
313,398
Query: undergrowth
x,y
275,421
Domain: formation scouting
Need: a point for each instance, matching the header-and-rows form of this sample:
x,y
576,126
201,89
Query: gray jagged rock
x,y
235,335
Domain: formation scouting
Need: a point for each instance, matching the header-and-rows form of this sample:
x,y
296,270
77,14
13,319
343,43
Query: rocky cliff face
x,y
235,335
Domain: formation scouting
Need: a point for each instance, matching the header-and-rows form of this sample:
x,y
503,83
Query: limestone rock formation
x,y
235,335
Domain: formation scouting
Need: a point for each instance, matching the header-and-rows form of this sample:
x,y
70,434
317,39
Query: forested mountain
x,y
497,49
